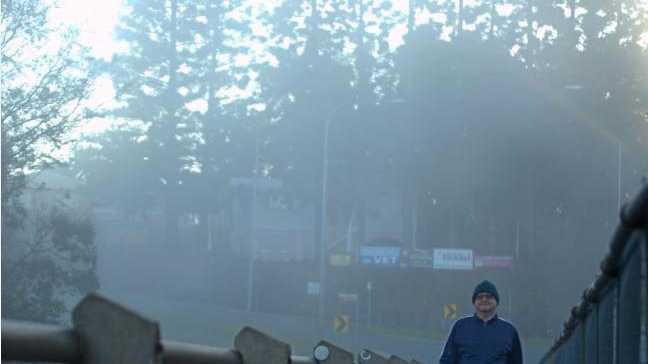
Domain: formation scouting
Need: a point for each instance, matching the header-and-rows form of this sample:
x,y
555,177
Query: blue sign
x,y
380,255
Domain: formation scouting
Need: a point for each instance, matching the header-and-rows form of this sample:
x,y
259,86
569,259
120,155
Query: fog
x,y
347,174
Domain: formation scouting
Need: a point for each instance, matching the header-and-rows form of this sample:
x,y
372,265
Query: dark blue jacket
x,y
473,341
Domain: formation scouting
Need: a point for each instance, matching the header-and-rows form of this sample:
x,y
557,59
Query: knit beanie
x,y
485,287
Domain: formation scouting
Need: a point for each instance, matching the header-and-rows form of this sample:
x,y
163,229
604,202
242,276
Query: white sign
x,y
313,288
453,259
421,259
348,297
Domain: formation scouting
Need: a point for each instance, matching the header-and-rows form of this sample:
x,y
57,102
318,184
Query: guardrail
x,y
105,332
610,323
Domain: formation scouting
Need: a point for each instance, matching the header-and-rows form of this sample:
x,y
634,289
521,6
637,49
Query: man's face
x,y
485,303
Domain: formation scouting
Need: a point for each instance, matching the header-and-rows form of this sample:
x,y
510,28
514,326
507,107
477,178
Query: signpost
x,y
450,311
370,296
341,260
348,297
348,305
341,323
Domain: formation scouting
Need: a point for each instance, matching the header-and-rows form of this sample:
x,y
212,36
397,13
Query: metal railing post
x,y
258,348
111,334
106,332
396,360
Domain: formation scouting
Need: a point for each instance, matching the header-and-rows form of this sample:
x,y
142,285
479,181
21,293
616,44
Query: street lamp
x,y
577,87
324,222
253,246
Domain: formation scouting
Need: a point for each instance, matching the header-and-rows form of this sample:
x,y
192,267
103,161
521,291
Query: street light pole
x,y
324,222
253,247
619,163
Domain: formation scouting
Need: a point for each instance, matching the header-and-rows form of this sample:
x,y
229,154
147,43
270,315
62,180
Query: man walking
x,y
483,338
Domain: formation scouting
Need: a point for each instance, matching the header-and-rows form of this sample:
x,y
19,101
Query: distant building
x,y
282,227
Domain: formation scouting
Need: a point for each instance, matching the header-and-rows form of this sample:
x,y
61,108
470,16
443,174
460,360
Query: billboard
x,y
461,259
380,255
493,261
421,259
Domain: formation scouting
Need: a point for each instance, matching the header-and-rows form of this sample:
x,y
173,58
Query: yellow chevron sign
x,y
450,311
341,323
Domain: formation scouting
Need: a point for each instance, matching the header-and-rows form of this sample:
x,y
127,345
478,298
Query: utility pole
x,y
324,218
253,240
619,178
324,223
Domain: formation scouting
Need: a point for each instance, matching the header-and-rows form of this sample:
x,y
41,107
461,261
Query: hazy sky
x,y
97,19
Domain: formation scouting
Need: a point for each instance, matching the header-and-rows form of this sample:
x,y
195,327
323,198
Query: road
x,y
203,323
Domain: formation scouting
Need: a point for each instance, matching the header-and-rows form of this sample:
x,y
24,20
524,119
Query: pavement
x,y
203,323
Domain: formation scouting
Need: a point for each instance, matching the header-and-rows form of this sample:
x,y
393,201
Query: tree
x,y
46,253
230,127
42,93
154,80
178,80
115,170
48,261
310,88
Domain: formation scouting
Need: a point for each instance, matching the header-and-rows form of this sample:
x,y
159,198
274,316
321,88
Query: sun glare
x,y
96,20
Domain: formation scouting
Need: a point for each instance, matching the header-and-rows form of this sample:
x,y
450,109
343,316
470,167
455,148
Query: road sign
x,y
450,311
313,288
341,323
341,260
348,297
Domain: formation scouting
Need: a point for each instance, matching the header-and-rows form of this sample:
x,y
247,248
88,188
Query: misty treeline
x,y
509,127
48,251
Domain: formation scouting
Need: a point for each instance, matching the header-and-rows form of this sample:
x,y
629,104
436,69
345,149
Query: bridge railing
x,y
105,332
609,325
